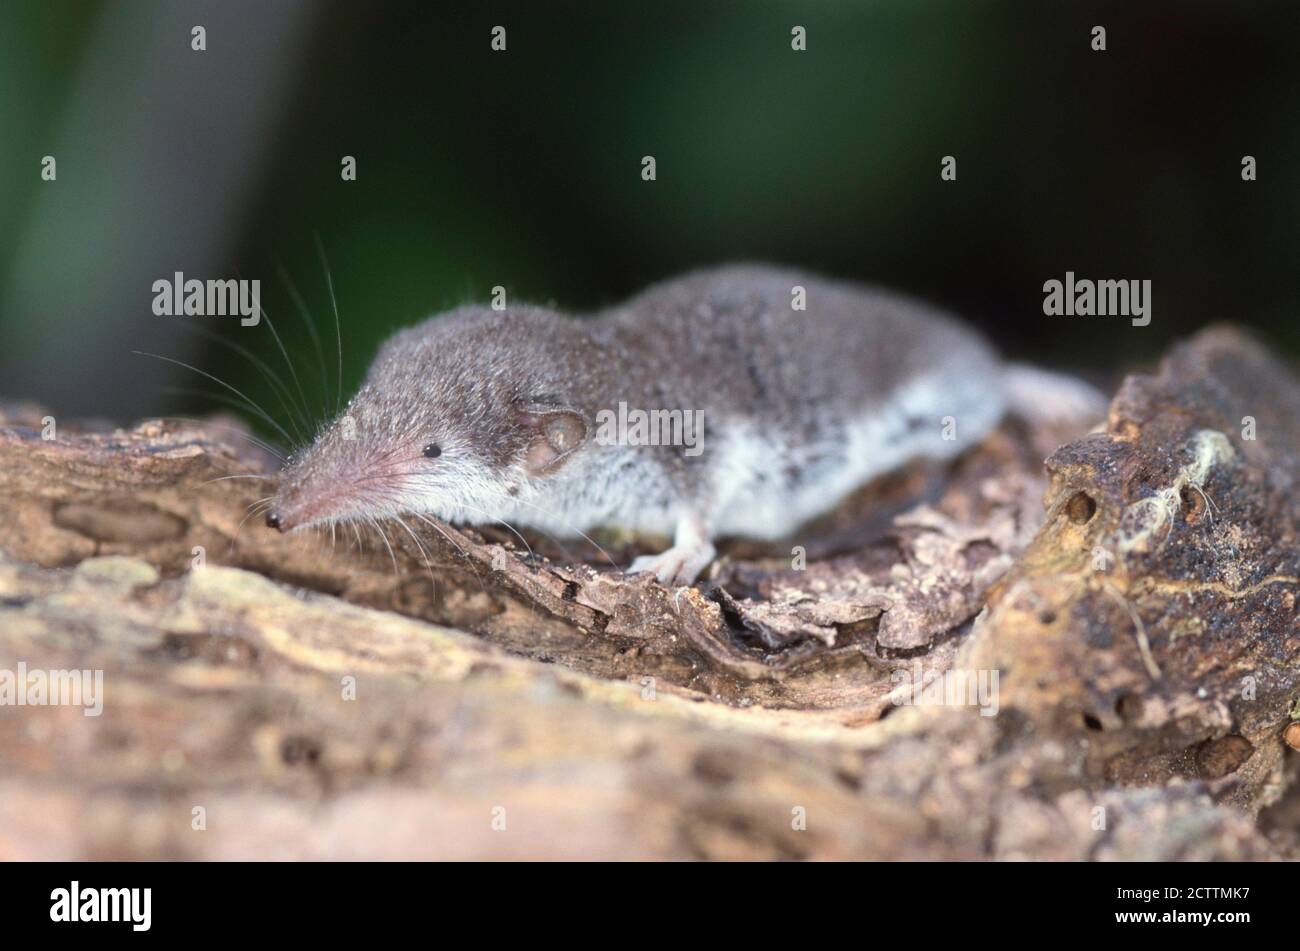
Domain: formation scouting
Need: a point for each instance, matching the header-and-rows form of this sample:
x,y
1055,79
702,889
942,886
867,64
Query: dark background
x,y
522,169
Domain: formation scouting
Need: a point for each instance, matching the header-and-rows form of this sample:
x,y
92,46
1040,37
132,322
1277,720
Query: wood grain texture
x,y
598,715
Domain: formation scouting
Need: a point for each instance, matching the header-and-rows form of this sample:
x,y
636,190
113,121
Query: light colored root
x,y
1139,631
1147,517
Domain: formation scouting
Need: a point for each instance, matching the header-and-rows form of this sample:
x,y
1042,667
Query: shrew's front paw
x,y
679,565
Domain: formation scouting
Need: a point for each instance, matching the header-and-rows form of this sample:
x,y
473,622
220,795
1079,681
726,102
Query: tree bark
x,y
466,694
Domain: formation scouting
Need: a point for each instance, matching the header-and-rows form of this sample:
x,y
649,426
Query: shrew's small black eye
x,y
433,450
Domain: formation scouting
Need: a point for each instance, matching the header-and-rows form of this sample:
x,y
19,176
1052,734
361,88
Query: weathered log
x,y
523,699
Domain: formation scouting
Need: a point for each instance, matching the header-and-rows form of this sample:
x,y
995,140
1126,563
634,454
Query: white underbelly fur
x,y
750,498
879,441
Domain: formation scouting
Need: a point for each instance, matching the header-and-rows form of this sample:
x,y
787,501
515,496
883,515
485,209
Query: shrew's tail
x,y
1043,396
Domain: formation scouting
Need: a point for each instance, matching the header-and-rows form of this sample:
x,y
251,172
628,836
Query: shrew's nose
x,y
273,520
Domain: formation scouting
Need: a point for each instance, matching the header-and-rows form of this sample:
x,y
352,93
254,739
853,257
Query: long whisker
x,y
253,509
338,334
374,523
464,554
260,443
292,372
569,524
441,531
253,405
278,386
523,541
225,399
400,480
267,478
390,481
301,306
420,545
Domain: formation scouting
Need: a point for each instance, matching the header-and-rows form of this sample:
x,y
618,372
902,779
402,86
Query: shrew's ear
x,y
557,431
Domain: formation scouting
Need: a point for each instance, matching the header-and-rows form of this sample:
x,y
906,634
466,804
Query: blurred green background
x,y
522,169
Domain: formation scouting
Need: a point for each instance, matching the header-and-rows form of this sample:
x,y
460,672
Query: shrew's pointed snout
x,y
307,505
328,485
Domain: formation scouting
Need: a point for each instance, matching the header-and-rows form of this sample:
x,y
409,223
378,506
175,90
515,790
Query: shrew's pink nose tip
x,y
273,520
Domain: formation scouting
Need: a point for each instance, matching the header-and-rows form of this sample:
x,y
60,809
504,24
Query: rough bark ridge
x,y
1143,632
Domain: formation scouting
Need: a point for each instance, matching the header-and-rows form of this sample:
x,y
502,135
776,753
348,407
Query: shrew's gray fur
x,y
479,415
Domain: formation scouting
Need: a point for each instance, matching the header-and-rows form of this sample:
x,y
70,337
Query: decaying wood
x,y
1137,601
1164,580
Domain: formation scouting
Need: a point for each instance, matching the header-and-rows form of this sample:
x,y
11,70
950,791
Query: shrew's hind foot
x,y
679,565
